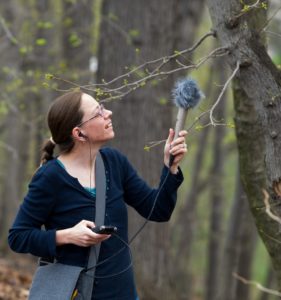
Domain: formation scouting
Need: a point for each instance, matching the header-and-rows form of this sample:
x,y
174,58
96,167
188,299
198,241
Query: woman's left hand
x,y
177,148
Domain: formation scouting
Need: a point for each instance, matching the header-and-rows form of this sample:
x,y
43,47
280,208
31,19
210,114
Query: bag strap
x,y
85,283
99,217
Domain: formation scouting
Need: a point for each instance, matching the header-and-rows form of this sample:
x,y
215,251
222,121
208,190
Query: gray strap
x,y
99,220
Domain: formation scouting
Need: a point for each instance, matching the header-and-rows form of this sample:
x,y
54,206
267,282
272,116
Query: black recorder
x,y
105,229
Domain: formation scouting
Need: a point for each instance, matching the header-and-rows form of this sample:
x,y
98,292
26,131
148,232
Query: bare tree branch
x,y
213,122
267,207
139,76
257,284
9,34
271,18
222,92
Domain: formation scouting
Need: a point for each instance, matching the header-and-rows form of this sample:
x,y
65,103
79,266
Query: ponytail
x,y
47,151
64,114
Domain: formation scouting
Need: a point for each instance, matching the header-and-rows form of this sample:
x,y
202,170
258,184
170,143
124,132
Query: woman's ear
x,y
78,134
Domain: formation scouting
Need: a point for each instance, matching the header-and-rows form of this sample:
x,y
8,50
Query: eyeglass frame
x,y
100,113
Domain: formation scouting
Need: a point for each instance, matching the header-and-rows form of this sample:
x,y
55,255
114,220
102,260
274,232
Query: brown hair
x,y
64,114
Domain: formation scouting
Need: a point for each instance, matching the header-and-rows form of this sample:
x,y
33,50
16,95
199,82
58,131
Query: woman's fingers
x,y
82,234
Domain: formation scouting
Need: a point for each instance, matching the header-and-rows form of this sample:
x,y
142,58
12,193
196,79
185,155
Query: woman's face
x,y
96,123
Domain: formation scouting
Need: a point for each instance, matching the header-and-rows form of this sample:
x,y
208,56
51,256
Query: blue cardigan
x,y
57,200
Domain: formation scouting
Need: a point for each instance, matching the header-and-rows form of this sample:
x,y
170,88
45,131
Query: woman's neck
x,y
82,155
80,163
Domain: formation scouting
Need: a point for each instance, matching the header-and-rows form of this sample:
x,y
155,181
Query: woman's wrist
x,y
174,170
62,237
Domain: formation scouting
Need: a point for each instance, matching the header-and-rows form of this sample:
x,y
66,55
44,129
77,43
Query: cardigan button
x,y
96,282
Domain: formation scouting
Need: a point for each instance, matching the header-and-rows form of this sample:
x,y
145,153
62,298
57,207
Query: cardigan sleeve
x,y
142,197
26,235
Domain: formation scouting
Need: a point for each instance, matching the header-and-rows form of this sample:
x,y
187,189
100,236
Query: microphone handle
x,y
181,118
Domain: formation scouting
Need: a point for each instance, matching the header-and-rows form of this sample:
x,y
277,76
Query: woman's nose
x,y
107,113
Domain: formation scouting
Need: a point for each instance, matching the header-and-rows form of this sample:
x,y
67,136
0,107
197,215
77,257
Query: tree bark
x,y
216,197
258,119
248,242
77,35
232,245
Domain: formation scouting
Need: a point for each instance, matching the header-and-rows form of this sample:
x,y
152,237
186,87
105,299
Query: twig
x,y
163,60
273,33
222,92
132,86
9,34
267,207
136,84
11,149
271,18
257,284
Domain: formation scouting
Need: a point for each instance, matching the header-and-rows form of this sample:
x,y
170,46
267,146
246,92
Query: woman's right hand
x,y
81,235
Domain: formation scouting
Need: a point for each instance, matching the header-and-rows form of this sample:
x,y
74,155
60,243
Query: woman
x,y
61,195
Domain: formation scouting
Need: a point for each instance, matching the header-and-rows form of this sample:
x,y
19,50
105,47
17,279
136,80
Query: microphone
x,y
186,94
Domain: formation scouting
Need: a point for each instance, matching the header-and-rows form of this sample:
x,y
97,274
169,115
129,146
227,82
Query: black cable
x,y
127,245
151,211
110,257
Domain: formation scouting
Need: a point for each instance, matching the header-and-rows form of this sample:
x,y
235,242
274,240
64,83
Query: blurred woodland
x,y
220,242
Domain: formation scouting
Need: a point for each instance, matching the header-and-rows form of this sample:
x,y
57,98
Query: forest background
x,y
129,54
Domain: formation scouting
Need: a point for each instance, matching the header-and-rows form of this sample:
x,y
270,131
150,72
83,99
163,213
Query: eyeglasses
x,y
100,113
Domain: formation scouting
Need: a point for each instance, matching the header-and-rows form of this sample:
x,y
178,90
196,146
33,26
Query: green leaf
x,y
246,8
23,50
41,42
264,5
45,85
49,76
134,33
45,25
74,40
163,101
230,125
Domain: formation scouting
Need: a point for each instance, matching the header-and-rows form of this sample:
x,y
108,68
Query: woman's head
x,y
71,118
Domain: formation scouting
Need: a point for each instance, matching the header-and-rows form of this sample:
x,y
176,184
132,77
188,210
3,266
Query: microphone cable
x,y
127,245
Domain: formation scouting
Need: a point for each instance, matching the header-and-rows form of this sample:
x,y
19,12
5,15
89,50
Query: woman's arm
x,y
139,195
26,235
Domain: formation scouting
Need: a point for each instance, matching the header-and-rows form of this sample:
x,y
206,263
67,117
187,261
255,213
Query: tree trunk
x,y
216,197
11,137
258,119
155,29
77,24
232,245
248,242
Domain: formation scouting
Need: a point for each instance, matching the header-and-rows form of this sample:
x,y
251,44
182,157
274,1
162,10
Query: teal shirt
x,y
89,189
